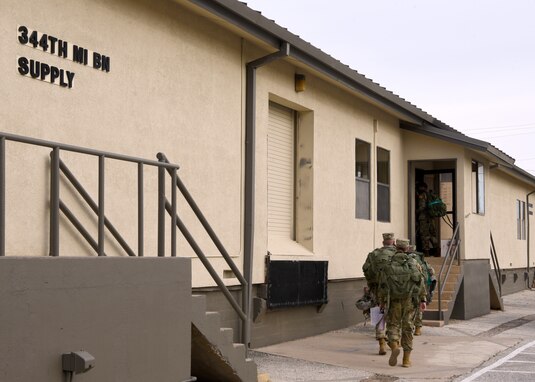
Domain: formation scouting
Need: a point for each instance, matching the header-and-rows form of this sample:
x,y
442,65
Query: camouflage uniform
x,y
429,275
401,311
372,283
425,226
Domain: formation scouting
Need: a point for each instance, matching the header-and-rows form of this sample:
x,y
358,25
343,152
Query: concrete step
x,y
214,350
435,323
434,305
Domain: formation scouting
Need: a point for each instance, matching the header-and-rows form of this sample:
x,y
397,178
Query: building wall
x,y
338,119
503,195
132,315
175,85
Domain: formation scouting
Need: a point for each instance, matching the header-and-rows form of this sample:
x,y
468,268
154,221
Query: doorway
x,y
432,235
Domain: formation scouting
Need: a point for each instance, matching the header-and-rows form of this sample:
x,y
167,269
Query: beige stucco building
x,y
290,155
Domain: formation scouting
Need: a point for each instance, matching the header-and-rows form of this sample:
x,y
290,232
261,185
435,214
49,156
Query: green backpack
x,y
375,263
400,279
435,206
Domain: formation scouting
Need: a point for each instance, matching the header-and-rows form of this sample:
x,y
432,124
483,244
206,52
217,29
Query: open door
x,y
434,239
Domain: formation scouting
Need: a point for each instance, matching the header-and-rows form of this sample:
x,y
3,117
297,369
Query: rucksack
x,y
435,206
375,262
400,279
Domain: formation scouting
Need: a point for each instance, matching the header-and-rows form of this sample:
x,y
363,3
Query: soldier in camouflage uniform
x,y
402,291
371,268
425,225
430,282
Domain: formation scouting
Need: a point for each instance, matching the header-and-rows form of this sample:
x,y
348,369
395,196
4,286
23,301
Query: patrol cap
x,y
412,248
402,243
388,236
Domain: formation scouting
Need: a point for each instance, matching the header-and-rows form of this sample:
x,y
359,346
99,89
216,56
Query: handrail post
x,y
173,213
161,212
140,217
2,196
54,202
101,176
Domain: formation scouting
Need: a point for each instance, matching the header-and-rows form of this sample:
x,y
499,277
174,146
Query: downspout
x,y
250,149
527,213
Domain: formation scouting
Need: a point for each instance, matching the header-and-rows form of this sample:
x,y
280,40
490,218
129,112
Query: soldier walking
x,y
372,268
402,291
430,283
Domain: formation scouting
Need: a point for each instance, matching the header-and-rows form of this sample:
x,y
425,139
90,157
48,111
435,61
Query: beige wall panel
x,y
505,191
477,226
175,85
338,119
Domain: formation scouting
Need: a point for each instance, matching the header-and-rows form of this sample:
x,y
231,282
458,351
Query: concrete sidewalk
x,y
440,354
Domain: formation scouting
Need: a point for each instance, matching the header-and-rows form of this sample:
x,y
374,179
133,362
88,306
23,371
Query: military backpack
x,y
435,206
401,278
375,262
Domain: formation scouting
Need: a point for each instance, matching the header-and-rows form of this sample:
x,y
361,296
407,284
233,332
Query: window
x,y
478,188
383,185
520,220
362,179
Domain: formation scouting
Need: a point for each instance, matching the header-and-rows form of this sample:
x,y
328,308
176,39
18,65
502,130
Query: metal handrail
x,y
243,312
85,195
56,205
452,254
497,270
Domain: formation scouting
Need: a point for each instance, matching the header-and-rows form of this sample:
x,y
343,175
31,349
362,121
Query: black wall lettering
x,y
45,71
96,60
54,73
23,66
23,36
70,78
105,63
62,49
35,67
53,42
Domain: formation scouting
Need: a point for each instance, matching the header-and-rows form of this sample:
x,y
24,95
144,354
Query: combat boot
x,y
382,346
393,361
418,331
406,359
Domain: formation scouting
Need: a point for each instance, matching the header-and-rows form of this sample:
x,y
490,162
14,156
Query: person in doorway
x,y
372,268
425,225
401,289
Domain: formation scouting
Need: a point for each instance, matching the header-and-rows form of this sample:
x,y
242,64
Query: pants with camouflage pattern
x,y
399,321
380,332
418,319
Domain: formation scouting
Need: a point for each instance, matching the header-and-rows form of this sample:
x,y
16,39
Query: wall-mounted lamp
x,y
300,83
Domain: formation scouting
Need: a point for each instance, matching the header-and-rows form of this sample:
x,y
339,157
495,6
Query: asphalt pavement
x,y
499,346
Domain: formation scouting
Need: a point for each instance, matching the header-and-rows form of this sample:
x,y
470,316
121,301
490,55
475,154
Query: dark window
x,y
383,185
478,188
362,179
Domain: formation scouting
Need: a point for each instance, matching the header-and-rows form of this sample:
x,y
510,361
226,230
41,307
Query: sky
x,y
468,63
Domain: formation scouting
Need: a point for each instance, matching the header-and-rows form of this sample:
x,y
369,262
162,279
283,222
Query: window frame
x,y
380,217
479,185
361,214
520,219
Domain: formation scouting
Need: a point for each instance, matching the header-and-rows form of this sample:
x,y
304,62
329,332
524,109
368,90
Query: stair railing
x,y
452,254
57,205
87,198
497,270
165,205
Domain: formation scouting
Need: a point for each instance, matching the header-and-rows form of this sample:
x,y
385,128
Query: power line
x,y
502,127
499,130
